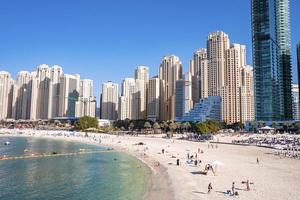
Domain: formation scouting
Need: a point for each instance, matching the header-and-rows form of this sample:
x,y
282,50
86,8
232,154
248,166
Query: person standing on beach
x,y
233,188
247,185
209,188
257,161
177,162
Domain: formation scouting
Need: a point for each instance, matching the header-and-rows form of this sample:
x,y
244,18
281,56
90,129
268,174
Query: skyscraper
x,y
298,64
199,72
217,44
43,75
68,95
153,106
184,102
129,109
170,71
284,42
86,104
142,79
109,101
235,59
21,103
5,86
246,94
55,74
122,108
271,59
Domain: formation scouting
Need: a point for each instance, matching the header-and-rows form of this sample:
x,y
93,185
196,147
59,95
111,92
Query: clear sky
x,y
106,39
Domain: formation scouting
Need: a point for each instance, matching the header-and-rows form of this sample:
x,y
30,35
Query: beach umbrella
x,y
216,163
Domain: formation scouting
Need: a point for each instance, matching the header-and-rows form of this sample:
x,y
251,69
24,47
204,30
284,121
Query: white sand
x,y
274,178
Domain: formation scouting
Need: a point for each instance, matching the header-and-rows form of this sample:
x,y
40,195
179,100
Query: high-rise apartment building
x,y
271,59
68,95
109,101
199,72
246,94
5,87
170,71
217,44
130,109
122,108
44,78
21,102
55,75
86,104
235,60
184,102
298,66
142,81
153,107
284,42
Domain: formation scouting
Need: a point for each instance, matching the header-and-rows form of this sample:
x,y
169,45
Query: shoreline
x,y
270,177
159,180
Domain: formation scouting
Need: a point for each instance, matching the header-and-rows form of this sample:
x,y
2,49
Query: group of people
x,y
233,191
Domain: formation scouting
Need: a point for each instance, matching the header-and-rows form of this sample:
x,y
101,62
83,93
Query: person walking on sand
x,y
247,185
198,150
233,188
209,188
257,161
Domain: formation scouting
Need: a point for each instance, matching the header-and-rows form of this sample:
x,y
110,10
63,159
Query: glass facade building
x,y
298,63
271,59
179,98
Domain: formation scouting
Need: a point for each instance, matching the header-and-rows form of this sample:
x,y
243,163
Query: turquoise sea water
x,y
110,176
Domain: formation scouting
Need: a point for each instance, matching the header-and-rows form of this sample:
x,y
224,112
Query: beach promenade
x,y
273,177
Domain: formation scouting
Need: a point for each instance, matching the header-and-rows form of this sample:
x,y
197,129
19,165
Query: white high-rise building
x,y
22,96
55,75
109,101
5,86
34,96
199,72
235,60
44,77
247,94
217,44
10,99
86,104
153,107
142,81
69,95
122,108
170,71
129,91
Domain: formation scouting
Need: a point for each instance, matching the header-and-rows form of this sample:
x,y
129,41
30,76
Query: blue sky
x,y
106,39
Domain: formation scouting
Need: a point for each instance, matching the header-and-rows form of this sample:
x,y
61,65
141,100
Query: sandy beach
x,y
273,178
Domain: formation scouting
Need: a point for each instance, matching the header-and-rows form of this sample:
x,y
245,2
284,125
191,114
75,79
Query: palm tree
x,y
179,127
156,127
173,126
147,126
260,124
131,126
164,125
